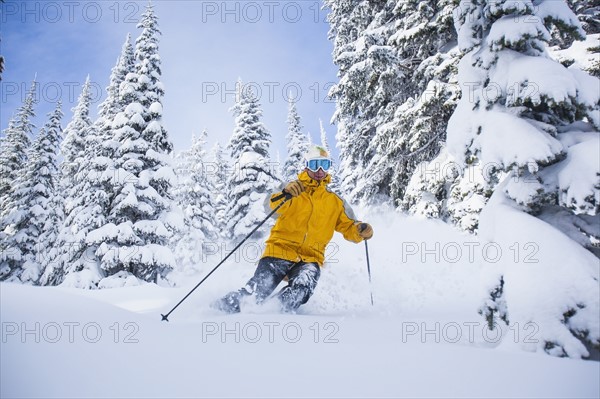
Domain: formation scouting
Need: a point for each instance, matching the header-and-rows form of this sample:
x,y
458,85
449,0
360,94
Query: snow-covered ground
x,y
422,338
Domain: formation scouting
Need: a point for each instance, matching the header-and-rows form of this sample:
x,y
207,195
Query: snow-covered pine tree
x,y
395,94
73,146
297,144
32,218
324,139
383,83
530,126
148,83
112,105
13,149
356,95
50,237
530,102
588,12
93,188
444,188
91,185
252,178
412,128
142,217
335,179
55,202
203,214
74,260
219,176
195,195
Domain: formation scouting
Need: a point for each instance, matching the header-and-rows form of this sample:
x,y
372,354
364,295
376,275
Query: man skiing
x,y
295,248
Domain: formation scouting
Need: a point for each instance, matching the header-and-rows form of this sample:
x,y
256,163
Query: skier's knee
x,y
295,295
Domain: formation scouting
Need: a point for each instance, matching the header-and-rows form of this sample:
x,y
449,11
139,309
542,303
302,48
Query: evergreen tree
x,y
252,179
89,182
92,187
430,186
148,84
13,150
74,260
197,190
538,114
324,140
219,176
142,217
74,144
462,192
32,217
588,13
522,142
194,194
50,252
335,179
412,129
297,144
112,105
362,58
395,94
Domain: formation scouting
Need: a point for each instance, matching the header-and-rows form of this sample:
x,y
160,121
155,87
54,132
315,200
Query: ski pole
x,y
362,227
165,317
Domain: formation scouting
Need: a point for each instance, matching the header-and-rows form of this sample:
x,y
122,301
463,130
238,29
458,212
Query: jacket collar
x,y
311,183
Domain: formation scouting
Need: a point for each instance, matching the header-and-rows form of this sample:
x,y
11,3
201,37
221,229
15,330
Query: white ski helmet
x,y
317,158
316,152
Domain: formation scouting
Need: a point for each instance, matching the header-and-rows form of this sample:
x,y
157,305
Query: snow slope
x,y
423,337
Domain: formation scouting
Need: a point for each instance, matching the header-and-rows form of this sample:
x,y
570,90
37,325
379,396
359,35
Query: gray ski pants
x,y
302,281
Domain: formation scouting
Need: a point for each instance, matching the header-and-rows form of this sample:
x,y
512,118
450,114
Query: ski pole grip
x,y
283,194
362,226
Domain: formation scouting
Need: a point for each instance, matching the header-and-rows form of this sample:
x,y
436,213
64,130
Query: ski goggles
x,y
315,164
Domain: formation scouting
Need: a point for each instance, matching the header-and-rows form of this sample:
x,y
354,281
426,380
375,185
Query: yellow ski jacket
x,y
305,224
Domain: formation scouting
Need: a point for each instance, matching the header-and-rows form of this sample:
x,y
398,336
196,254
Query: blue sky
x,y
280,47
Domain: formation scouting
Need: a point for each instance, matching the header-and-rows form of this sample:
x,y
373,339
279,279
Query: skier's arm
x,y
347,224
269,206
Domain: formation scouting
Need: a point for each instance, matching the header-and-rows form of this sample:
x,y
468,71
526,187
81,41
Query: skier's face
x,y
318,175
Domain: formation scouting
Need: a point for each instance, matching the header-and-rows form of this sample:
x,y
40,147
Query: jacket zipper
x,y
312,208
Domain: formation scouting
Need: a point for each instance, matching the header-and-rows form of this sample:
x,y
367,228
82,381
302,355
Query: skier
x,y
296,246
